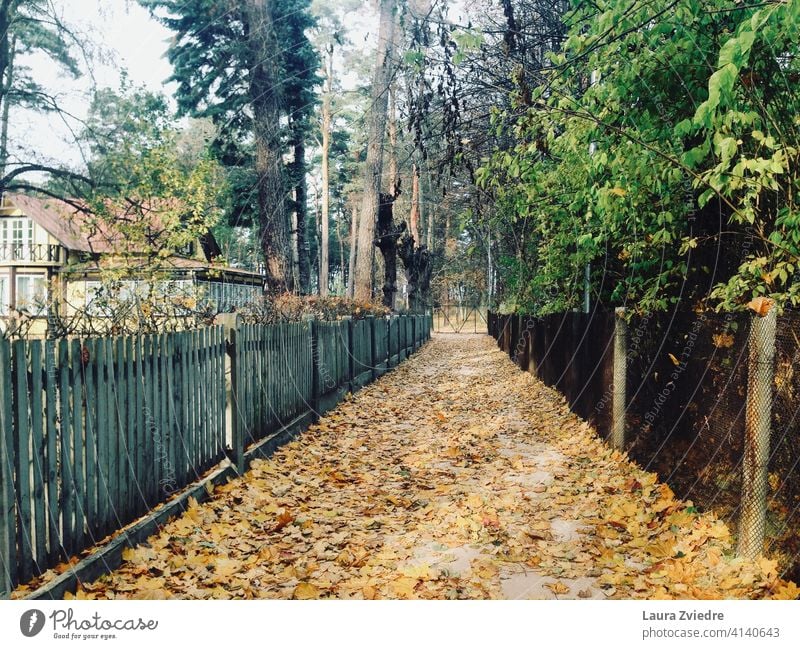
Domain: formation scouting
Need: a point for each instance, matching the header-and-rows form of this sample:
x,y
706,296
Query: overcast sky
x,y
132,40
136,43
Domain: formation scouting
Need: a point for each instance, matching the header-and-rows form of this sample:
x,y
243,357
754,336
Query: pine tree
x,y
246,65
301,62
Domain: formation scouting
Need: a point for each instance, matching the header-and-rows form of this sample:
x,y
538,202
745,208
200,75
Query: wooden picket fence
x,y
96,433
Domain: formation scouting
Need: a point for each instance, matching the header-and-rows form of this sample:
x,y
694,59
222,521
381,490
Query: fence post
x,y
234,432
620,367
758,420
350,352
316,362
373,352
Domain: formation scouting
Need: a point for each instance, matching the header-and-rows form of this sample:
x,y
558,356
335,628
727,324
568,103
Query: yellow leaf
x,y
769,567
422,572
404,587
557,587
227,567
719,531
660,549
618,191
787,590
674,360
305,590
484,568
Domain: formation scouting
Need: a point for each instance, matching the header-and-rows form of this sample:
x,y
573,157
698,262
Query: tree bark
x,y
431,212
340,239
365,250
7,8
6,81
387,236
266,106
394,172
301,209
326,146
417,262
413,219
351,270
7,48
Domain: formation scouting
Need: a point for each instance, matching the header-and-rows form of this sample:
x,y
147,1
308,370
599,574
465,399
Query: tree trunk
x,y
301,209
7,51
417,262
413,219
293,248
6,82
351,270
387,235
326,146
7,8
266,106
431,212
365,251
340,239
394,172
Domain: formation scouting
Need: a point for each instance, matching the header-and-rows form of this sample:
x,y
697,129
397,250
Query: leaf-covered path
x,y
454,476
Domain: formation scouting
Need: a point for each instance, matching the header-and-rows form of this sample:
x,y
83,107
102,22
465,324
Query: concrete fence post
x,y
758,420
620,369
234,435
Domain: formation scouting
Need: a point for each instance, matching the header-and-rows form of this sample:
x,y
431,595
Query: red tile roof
x,y
81,231
73,228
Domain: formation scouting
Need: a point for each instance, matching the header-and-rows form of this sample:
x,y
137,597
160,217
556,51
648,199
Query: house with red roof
x,y
51,247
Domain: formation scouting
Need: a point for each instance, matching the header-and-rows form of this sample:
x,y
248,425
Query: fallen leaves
x,y
306,591
438,481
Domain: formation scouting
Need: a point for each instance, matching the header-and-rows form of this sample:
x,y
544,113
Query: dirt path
x,y
455,476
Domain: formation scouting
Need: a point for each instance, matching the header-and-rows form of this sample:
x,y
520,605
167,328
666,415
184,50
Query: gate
x,y
460,318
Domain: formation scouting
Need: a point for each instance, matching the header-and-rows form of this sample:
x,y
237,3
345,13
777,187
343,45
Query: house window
x,y
93,298
32,294
17,234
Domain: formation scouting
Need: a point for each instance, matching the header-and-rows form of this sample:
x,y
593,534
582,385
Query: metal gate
x,y
460,319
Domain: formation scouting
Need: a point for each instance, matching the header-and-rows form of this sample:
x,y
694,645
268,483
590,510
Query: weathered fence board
x,y
94,433
8,509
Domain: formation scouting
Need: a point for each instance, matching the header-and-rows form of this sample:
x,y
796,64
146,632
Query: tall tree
x,y
301,61
326,192
330,38
384,65
230,65
265,102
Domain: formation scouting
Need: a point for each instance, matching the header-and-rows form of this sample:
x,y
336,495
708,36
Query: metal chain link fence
x,y
687,416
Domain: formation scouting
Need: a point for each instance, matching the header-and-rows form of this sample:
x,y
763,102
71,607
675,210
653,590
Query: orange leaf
x,y
283,520
761,305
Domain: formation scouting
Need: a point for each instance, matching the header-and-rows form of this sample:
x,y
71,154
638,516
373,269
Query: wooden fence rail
x,y
96,433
